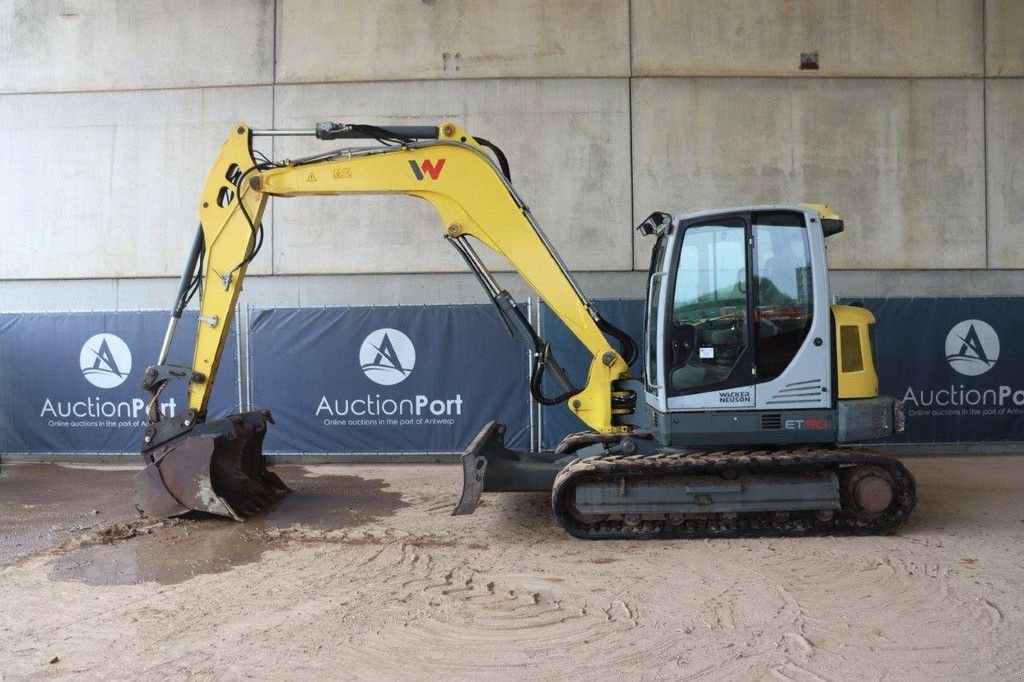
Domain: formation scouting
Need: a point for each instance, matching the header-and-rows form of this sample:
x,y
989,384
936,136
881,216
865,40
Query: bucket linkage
x,y
216,467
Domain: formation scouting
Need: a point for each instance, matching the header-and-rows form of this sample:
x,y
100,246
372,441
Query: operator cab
x,y
738,326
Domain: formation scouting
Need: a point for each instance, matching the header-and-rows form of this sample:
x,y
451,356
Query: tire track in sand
x,y
432,616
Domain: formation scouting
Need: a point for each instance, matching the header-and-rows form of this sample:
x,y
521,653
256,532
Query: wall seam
x,y
630,75
629,119
273,124
124,280
984,126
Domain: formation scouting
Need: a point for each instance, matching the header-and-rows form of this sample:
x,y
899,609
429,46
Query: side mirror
x,y
657,223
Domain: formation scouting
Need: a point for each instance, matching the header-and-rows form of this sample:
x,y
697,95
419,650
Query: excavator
x,y
752,384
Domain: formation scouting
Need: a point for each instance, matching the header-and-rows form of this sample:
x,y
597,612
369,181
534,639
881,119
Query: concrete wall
x,y
578,189
112,110
877,149
70,45
886,38
379,40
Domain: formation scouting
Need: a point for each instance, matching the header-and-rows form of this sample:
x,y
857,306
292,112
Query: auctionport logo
x,y
387,356
105,360
972,347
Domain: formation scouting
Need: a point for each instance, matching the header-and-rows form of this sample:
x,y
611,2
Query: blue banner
x,y
69,382
951,361
557,420
425,379
386,379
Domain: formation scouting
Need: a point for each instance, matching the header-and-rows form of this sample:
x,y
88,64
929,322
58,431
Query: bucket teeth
x,y
217,468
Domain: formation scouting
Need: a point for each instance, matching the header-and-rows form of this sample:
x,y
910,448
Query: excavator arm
x,y
445,166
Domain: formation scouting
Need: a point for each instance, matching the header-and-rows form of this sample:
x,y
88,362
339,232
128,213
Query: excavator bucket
x,y
215,467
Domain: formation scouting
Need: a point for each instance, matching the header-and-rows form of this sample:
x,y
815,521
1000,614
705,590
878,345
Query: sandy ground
x,y
362,573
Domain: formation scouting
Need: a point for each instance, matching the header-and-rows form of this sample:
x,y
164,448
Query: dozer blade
x,y
488,466
215,467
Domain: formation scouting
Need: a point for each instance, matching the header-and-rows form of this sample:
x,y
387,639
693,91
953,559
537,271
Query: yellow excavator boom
x,y
445,166
454,174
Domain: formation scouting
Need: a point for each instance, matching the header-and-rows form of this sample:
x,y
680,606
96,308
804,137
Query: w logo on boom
x,y
972,347
105,360
431,168
387,356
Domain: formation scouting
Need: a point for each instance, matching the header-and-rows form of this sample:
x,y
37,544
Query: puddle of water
x,y
101,467
185,548
44,504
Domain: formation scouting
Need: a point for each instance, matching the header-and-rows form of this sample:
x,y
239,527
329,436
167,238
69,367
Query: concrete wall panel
x,y
1005,130
107,184
62,45
354,40
901,160
18,296
766,37
568,146
1004,38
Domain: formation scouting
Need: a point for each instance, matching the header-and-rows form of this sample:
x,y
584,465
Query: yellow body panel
x,y
824,210
471,197
855,362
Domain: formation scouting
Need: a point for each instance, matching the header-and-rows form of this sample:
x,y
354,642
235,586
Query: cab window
x,y
709,307
783,296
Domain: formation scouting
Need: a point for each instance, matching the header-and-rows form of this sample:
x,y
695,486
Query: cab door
x,y
709,341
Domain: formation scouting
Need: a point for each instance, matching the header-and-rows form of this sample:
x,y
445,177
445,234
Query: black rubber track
x,y
846,521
